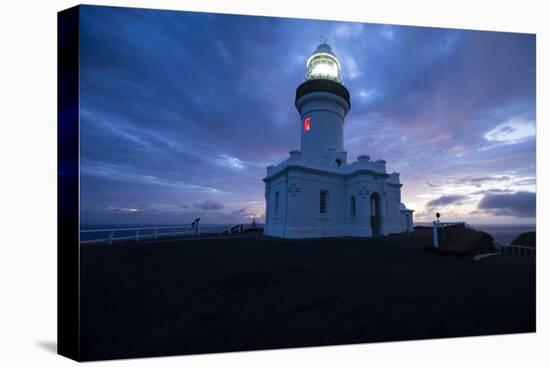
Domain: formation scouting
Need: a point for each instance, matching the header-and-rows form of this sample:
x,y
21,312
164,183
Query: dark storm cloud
x,y
187,107
446,200
520,204
208,205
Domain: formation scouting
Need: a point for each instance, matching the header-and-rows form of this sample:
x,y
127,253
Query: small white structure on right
x,y
315,192
406,218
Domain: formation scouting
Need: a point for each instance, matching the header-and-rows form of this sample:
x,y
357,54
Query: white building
x,y
315,192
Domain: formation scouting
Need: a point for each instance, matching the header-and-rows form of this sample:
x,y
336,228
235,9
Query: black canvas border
x,y
68,248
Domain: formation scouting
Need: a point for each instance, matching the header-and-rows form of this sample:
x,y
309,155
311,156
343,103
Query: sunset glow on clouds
x,y
181,113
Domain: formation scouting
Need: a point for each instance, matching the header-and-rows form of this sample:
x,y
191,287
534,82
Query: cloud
x,y
527,181
512,132
387,32
368,95
446,200
225,160
246,214
126,210
351,70
208,205
520,204
491,191
478,181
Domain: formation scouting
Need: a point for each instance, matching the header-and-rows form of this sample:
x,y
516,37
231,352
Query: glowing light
x,y
328,69
323,65
307,122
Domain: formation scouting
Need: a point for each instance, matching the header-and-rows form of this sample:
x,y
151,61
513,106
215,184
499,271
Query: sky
x,y
181,113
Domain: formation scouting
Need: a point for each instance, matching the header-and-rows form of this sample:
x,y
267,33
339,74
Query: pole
x,y
436,240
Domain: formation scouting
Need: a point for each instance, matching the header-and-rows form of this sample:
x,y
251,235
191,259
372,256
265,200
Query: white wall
x,y
325,139
299,200
407,221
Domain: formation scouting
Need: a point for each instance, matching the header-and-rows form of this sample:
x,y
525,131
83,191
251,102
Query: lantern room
x,y
323,64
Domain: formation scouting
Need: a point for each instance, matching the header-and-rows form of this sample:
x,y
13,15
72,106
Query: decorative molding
x,y
293,189
363,192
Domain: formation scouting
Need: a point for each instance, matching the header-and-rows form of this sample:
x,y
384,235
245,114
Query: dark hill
x,y
460,239
526,239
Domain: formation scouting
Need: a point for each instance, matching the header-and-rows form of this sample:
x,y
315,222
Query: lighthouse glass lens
x,y
323,67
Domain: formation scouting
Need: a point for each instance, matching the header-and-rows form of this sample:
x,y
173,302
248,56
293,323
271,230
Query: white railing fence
x,y
516,250
111,235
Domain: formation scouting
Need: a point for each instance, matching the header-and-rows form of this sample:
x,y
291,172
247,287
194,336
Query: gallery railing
x,y
108,236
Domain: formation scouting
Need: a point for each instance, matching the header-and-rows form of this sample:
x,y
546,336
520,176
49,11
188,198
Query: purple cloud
x,y
208,205
446,200
519,204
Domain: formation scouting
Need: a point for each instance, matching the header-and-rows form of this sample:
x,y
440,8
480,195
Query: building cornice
x,y
305,168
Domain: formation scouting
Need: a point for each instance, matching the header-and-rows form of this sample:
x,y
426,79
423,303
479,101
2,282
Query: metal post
x,y
137,234
436,240
110,237
155,235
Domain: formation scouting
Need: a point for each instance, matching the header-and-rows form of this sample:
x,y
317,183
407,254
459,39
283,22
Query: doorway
x,y
375,217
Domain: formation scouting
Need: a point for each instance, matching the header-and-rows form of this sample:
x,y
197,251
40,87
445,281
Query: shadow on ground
x,y
50,346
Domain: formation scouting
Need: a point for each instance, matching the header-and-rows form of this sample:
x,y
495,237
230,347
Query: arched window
x,y
352,206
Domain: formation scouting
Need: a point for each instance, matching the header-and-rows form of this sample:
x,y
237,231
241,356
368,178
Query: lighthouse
x,y
315,192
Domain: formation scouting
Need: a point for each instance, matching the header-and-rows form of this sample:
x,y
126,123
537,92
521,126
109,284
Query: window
x,y
307,122
276,202
352,206
323,202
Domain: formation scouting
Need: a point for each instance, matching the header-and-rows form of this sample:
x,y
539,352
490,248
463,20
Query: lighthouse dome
x,y
324,64
323,47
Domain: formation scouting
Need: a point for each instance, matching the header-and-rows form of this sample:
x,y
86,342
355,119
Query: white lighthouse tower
x,y
315,192
323,102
